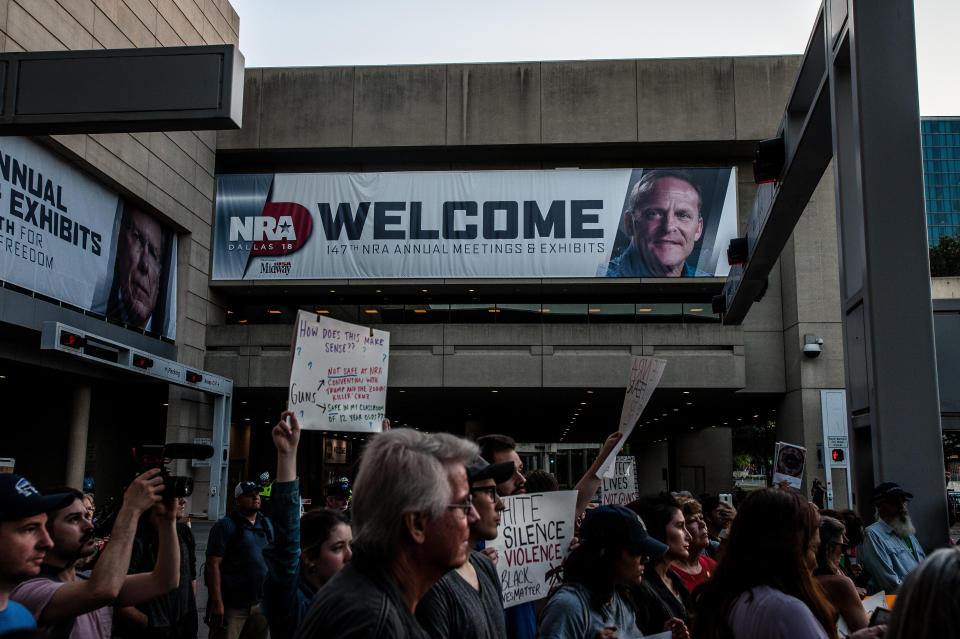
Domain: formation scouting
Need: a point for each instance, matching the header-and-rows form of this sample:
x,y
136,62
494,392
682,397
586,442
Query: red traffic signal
x,y
194,378
142,361
837,454
73,340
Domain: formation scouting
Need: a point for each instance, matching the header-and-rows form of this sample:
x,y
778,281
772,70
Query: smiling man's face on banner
x,y
665,225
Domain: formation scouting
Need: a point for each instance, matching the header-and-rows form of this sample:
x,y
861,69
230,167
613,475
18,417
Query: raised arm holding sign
x,y
645,374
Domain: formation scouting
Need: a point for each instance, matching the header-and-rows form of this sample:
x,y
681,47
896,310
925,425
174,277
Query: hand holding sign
x,y
645,374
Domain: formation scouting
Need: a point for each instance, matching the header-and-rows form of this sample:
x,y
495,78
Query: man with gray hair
x,y
412,509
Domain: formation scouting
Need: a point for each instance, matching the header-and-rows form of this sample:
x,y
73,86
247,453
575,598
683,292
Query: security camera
x,y
812,346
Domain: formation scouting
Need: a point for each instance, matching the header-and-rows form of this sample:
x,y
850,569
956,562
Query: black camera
x,y
147,457
159,455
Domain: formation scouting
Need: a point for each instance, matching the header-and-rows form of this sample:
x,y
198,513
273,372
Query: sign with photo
x,y
65,236
789,462
467,224
338,376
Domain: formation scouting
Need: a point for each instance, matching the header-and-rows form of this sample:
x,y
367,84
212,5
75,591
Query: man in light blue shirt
x,y
890,549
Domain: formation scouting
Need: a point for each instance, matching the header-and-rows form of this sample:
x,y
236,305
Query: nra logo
x,y
280,229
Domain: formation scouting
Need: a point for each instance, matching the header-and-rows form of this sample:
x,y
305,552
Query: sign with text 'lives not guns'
x,y
338,375
621,489
532,542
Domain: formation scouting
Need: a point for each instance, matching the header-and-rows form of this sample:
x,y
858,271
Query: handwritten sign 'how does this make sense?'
x,y
533,539
338,375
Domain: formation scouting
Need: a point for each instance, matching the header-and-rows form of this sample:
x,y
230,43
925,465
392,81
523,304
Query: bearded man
x,y
890,549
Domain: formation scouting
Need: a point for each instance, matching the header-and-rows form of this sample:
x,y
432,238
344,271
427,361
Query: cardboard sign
x,y
645,374
622,487
788,465
338,377
532,540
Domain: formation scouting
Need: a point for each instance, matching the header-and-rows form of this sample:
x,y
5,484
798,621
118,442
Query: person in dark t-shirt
x,y
468,602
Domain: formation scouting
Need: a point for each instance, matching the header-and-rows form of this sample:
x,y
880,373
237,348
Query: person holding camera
x,y
66,603
236,569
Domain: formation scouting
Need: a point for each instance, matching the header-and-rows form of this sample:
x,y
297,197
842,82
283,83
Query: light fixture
x,y
594,310
696,310
583,403
332,290
323,312
686,392
419,310
241,321
423,290
644,310
589,392
370,311
494,391
273,312
470,290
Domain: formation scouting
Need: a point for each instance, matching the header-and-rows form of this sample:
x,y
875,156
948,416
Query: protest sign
x,y
338,375
532,540
788,464
622,487
645,373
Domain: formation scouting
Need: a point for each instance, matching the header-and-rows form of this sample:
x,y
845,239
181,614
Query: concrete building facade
x,y
523,356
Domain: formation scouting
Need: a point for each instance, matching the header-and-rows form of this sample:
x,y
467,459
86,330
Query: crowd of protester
x,y
404,552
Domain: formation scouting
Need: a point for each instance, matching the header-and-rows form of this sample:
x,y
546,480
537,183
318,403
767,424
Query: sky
x,y
294,33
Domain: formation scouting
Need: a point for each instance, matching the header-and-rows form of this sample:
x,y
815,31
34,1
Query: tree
x,y
945,257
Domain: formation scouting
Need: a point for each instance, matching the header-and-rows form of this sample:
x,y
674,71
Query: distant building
x,y
940,138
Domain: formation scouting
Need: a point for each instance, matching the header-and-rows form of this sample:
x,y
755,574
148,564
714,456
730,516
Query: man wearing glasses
x,y
468,601
412,512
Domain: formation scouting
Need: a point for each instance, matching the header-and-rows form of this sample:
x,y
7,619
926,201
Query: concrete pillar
x,y
77,436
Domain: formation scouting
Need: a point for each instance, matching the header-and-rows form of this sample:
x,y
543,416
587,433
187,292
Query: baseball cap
x,y
482,469
338,489
620,527
19,499
890,490
246,488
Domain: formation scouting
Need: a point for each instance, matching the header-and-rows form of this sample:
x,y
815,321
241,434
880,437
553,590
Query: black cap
x,y
19,499
890,490
481,469
619,527
338,489
246,488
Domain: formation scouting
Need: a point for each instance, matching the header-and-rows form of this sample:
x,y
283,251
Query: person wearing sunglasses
x,y
468,601
840,590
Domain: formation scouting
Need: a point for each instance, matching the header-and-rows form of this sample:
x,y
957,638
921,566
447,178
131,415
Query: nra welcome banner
x,y
65,236
503,224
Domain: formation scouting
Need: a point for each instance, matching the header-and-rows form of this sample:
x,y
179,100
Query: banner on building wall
x,y
532,541
338,375
65,236
492,224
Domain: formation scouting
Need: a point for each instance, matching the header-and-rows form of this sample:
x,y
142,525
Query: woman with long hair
x,y
613,548
839,588
663,589
763,587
